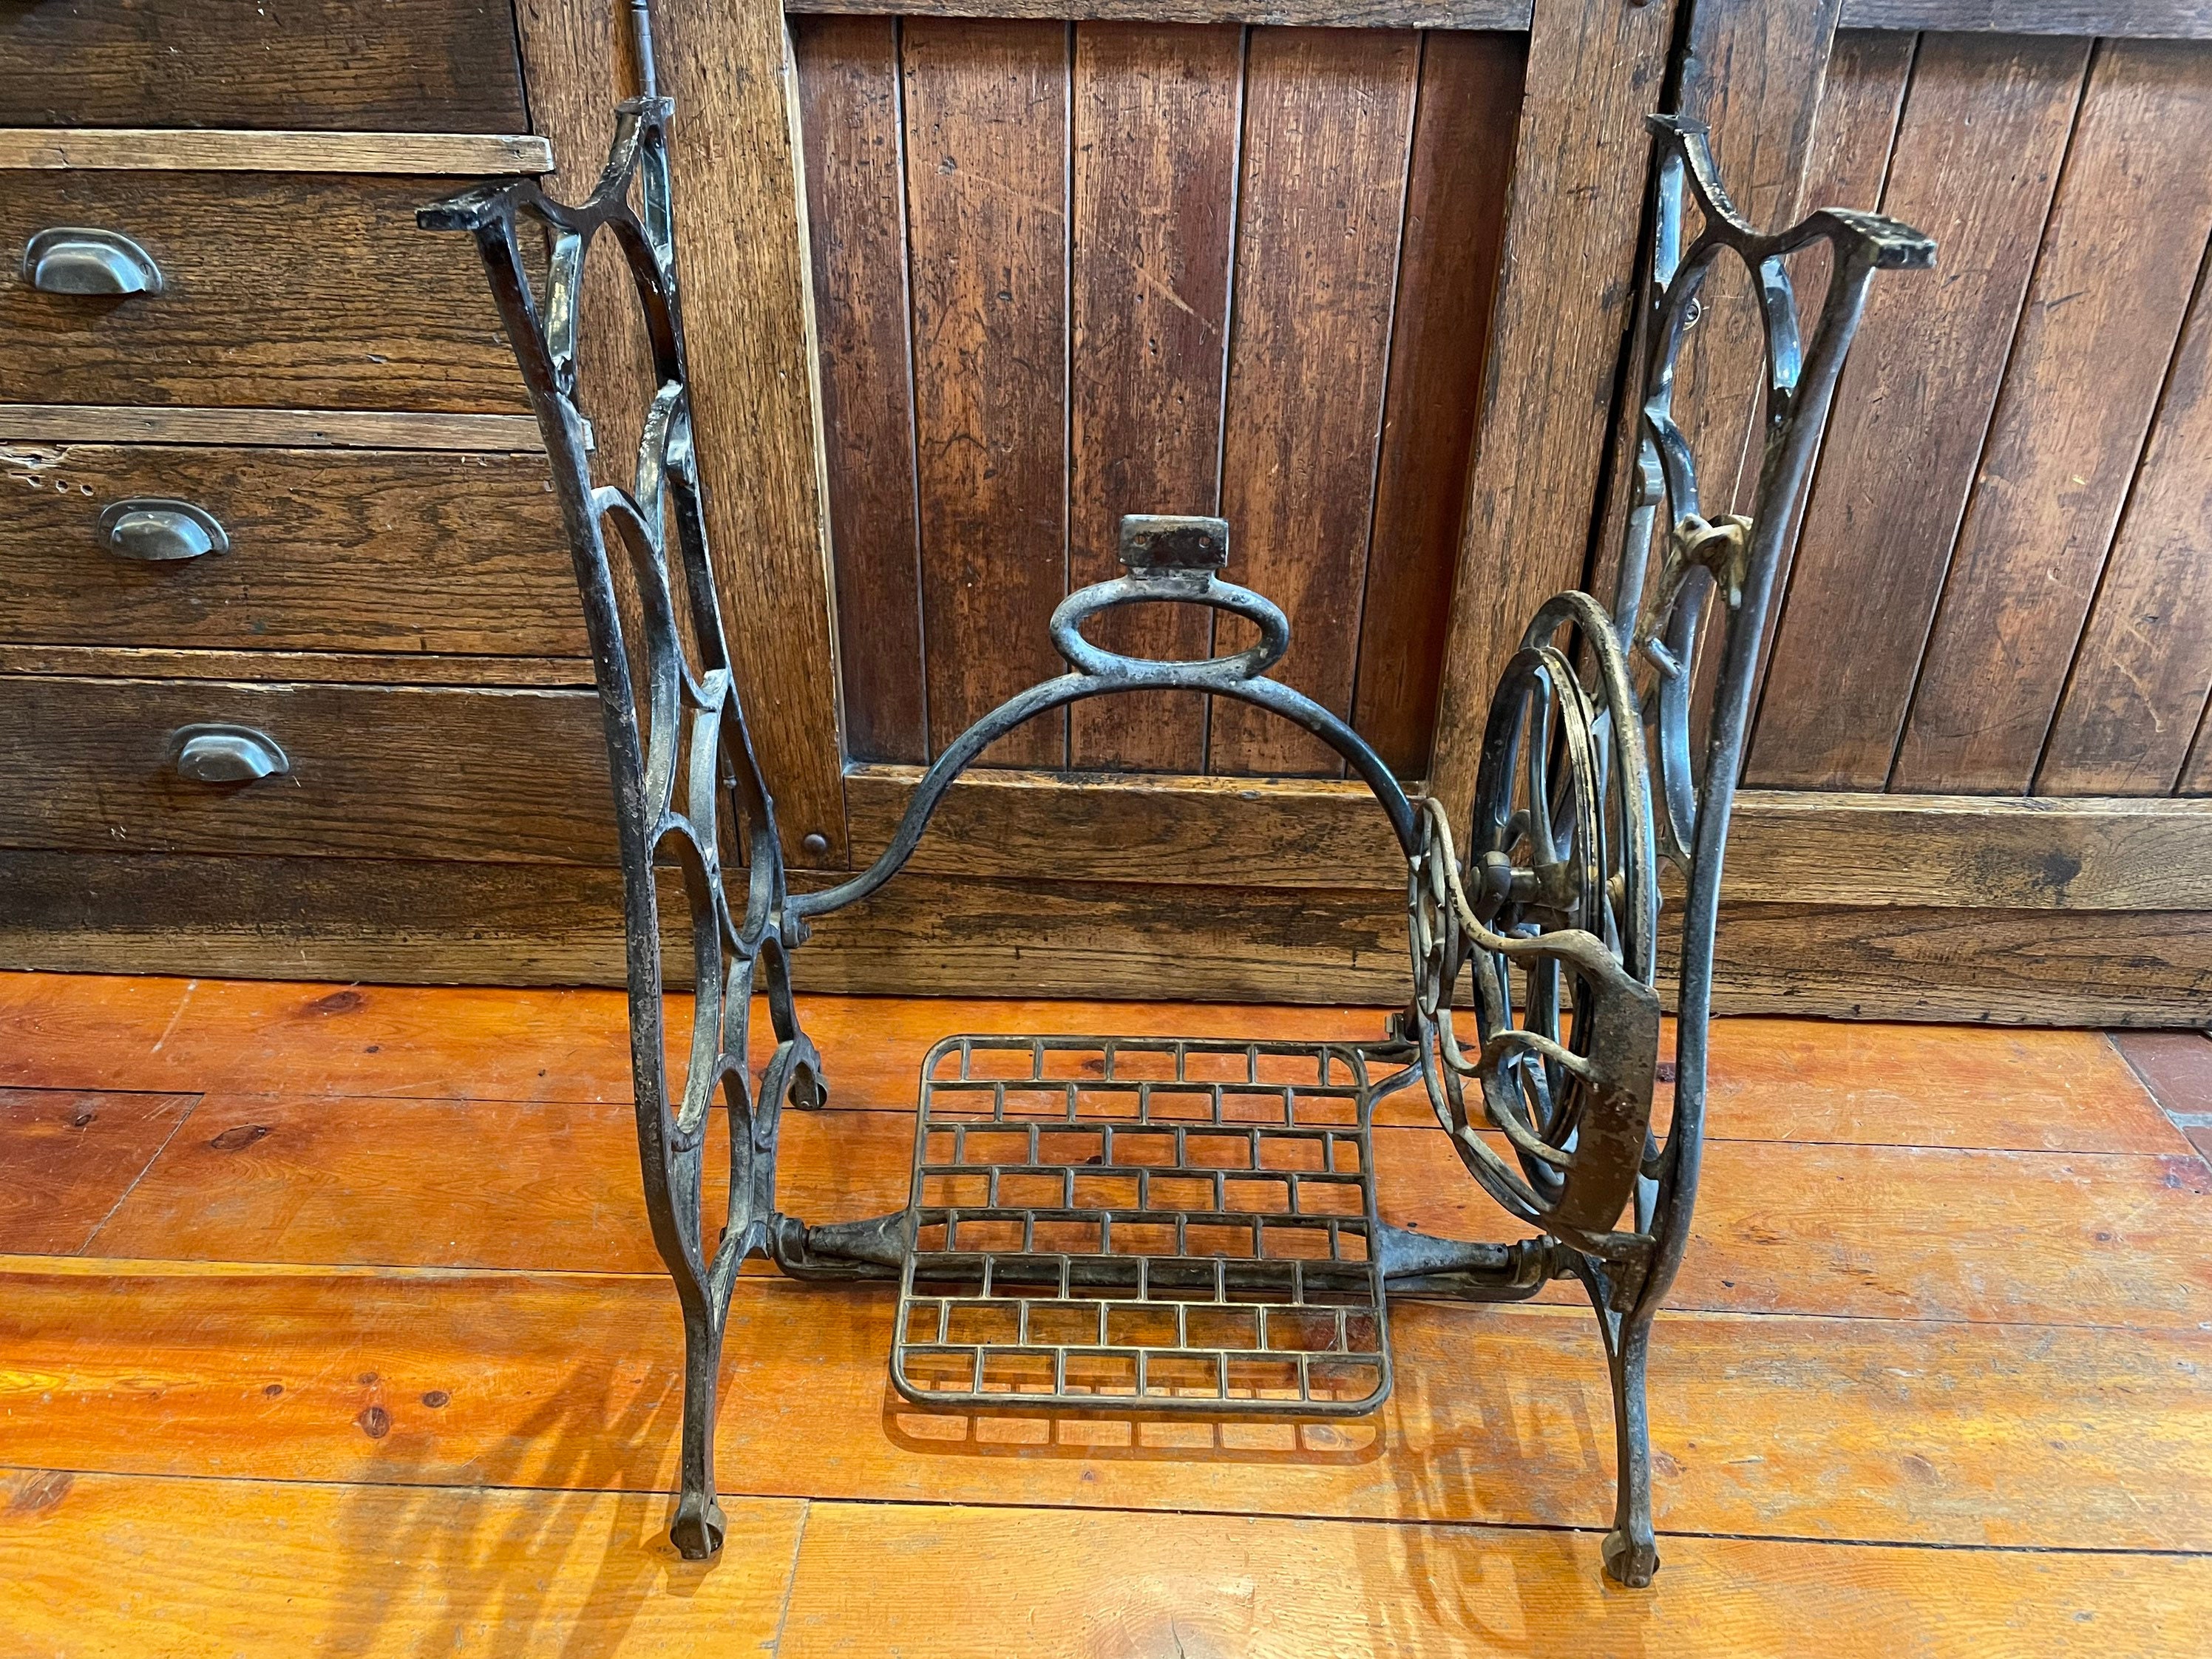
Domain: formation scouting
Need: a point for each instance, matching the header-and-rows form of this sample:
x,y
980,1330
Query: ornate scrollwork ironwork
x,y
1585,785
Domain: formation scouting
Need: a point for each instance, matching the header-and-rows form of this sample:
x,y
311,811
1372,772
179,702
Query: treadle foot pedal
x,y
1167,1225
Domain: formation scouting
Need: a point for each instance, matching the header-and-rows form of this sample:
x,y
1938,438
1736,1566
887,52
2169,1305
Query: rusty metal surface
x,y
1179,1224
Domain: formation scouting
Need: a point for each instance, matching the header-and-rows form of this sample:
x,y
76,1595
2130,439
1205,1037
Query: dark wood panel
x,y
1594,73
360,550
453,922
750,325
848,105
1814,847
2136,696
322,667
375,770
1328,130
1914,406
1335,13
281,288
1853,133
986,183
1156,125
412,65
1755,74
2166,19
2197,779
1463,168
2127,234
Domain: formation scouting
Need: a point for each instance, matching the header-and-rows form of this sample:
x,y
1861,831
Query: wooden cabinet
x,y
962,290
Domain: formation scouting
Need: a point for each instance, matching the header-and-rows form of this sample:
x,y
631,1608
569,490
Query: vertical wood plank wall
x,y
2003,584
1068,271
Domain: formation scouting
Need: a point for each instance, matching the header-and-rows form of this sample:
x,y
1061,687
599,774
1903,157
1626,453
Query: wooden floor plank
x,y
69,1156
96,1564
1180,1587
1898,1233
1773,1079
1844,1429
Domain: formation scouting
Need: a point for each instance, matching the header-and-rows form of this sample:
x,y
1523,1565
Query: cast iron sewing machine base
x,y
1182,1225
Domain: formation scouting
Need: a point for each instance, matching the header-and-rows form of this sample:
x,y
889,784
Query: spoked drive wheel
x,y
1561,871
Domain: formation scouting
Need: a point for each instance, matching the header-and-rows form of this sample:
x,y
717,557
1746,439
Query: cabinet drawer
x,y
327,551
299,290
402,66
374,771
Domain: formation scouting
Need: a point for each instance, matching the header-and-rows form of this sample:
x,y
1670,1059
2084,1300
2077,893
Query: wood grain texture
x,y
1854,133
72,1155
1335,14
579,62
1273,1589
1754,74
286,429
412,65
750,325
1156,113
364,313
2105,854
848,96
444,923
399,772
330,667
2091,357
1593,74
286,1567
2119,968
405,551
1448,272
987,177
1328,130
1784,846
2137,691
1805,1227
1771,1079
2127,19
1773,1426
164,150
1923,377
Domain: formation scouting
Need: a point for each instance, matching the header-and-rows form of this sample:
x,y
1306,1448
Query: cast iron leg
x,y
1632,1553
697,1533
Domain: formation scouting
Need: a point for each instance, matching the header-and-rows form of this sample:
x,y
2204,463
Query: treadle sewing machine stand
x,y
1192,1226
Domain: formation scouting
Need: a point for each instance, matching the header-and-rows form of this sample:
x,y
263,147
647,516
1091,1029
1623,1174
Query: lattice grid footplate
x,y
1160,1224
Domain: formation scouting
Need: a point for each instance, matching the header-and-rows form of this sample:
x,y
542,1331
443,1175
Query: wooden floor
x,y
331,1323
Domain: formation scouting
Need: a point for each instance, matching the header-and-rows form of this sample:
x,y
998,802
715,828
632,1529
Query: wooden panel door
x,y
1177,259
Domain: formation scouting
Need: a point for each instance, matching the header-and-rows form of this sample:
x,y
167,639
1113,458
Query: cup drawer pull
x,y
228,754
76,259
161,532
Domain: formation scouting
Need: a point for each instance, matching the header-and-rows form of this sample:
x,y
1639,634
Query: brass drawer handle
x,y
161,532
73,259
228,754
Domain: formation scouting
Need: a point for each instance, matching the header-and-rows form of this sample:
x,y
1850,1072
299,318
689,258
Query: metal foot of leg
x,y
1632,1553
697,1531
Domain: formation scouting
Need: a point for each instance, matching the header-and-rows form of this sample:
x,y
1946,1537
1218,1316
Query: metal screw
x,y
815,844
